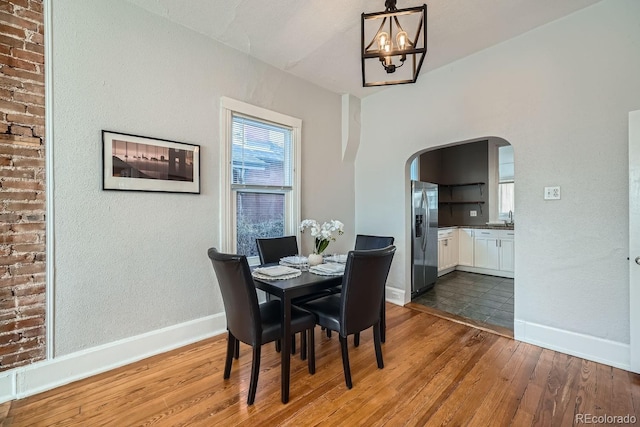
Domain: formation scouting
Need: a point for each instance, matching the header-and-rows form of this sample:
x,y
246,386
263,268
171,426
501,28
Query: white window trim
x,y
227,228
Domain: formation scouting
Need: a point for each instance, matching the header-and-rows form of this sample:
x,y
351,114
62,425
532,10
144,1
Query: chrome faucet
x,y
510,218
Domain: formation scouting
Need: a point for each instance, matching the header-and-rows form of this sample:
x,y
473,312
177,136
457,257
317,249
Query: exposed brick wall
x,y
22,183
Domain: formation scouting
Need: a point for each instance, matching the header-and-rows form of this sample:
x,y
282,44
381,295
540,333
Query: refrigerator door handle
x,y
425,202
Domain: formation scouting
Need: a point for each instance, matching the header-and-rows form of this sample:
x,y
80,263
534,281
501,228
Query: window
x,y
506,182
260,180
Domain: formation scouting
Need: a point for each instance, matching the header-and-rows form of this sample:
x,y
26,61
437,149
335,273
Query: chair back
x,y
272,249
364,241
238,295
363,286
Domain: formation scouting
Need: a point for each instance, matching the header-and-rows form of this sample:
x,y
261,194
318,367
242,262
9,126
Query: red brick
x,y
11,31
26,269
13,42
28,98
4,128
19,151
5,50
16,173
12,206
23,185
4,161
9,217
31,15
5,6
27,227
34,47
35,37
31,163
35,332
31,300
18,238
6,93
21,3
29,248
15,281
10,82
35,110
9,338
25,120
19,195
32,217
36,6
15,259
13,106
24,291
18,63
21,74
37,88
26,55
8,304
21,130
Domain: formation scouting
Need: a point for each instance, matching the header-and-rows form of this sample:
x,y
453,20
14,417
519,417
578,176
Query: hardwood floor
x,y
436,372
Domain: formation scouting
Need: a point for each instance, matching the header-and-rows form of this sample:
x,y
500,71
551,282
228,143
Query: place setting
x,y
276,272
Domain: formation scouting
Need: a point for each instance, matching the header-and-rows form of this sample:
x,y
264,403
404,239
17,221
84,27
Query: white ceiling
x,y
319,40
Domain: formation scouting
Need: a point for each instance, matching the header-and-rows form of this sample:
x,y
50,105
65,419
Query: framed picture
x,y
139,163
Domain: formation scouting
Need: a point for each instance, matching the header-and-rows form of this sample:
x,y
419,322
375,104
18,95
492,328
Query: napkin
x,y
329,268
275,271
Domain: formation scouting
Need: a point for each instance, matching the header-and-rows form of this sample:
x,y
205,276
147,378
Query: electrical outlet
x,y
552,193
473,213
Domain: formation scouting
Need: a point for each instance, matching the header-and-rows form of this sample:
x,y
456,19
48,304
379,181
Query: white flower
x,y
323,234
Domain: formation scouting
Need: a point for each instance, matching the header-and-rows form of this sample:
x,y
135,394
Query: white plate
x,y
283,277
275,271
342,258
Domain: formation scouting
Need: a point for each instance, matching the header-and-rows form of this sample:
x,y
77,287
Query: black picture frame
x,y
140,163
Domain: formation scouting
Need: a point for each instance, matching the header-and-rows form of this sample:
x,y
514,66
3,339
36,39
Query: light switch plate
x,y
473,213
552,193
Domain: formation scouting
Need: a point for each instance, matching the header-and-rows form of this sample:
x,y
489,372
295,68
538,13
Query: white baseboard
x,y
599,350
490,272
49,374
395,295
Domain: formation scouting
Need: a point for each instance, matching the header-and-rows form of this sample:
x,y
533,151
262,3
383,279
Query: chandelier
x,y
397,45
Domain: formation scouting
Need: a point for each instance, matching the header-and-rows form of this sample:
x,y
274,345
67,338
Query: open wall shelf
x,y
471,202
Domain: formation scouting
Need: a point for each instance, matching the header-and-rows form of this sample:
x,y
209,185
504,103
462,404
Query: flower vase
x,y
315,259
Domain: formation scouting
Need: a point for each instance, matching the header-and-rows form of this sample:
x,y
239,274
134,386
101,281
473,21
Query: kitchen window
x,y
262,157
506,183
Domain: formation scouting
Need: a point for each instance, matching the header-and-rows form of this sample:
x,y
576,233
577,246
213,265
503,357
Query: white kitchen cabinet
x,y
447,250
494,250
465,247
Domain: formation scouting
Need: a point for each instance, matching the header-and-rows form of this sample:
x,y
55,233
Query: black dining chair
x,y
272,250
366,241
357,307
252,323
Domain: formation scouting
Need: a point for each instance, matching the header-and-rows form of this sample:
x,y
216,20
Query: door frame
x,y
634,240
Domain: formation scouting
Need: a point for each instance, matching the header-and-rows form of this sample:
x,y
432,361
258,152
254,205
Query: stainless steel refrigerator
x,y
424,233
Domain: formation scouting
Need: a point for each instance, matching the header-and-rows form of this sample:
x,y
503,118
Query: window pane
x,y
258,215
261,153
505,198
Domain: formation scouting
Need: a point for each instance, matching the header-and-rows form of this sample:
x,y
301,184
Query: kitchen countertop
x,y
489,227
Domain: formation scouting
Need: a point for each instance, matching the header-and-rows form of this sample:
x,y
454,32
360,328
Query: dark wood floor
x,y
436,372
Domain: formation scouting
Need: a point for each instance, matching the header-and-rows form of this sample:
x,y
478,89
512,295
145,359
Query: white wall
x,y
127,263
560,94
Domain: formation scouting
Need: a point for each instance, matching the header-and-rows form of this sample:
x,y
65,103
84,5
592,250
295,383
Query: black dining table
x,y
305,284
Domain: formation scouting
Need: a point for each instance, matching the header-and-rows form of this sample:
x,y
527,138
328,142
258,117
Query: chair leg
x,y
383,322
255,371
312,352
377,345
293,344
236,352
328,333
303,345
356,339
278,346
231,340
345,361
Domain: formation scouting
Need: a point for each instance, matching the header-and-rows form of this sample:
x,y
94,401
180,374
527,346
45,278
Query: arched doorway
x,y
476,233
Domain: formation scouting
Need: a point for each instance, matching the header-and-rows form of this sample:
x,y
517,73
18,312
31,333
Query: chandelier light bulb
x,y
383,41
402,40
